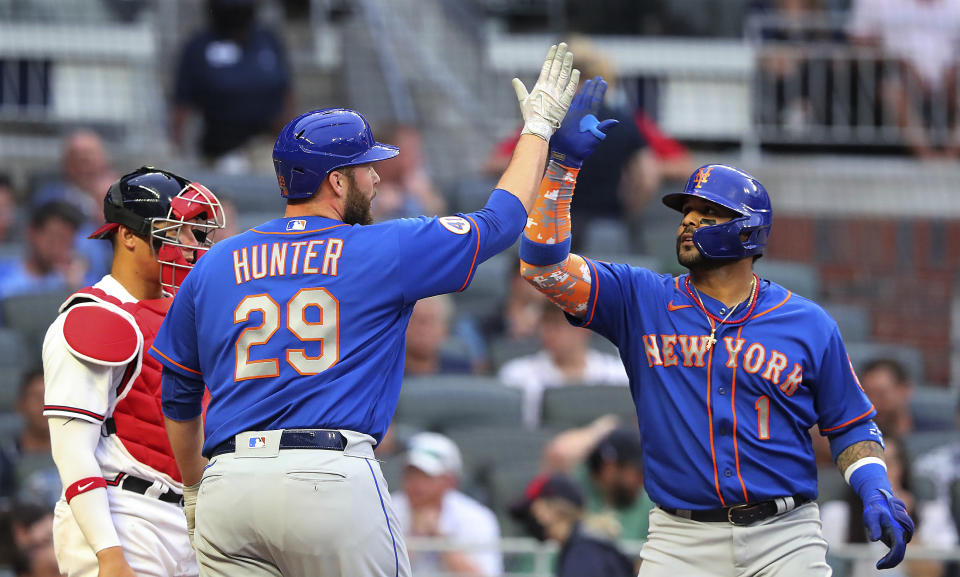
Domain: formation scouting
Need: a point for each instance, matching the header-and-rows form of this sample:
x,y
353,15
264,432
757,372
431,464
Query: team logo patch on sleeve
x,y
455,224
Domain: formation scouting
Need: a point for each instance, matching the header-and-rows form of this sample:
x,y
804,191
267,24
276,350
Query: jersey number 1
x,y
327,331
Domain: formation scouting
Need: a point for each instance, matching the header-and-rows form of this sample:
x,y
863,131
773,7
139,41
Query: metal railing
x,y
814,84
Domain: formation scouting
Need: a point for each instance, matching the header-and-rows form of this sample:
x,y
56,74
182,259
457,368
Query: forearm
x,y
858,451
72,444
546,262
186,441
522,176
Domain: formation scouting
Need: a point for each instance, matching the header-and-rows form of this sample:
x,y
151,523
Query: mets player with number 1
x,y
121,513
297,326
728,372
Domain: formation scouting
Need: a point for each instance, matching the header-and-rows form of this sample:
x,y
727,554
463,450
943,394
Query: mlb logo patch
x,y
257,442
297,225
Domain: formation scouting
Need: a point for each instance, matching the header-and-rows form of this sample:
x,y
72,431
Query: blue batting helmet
x,y
313,144
739,192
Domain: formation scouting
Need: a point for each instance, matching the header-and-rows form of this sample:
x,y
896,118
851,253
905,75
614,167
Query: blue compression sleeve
x,y
181,396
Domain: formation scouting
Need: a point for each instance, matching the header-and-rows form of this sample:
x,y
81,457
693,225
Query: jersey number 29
x,y
326,331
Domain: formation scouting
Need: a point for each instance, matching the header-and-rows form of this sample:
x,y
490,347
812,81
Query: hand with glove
x,y
886,519
545,106
581,131
884,515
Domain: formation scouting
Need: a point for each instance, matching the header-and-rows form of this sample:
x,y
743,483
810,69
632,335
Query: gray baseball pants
x,y
787,545
298,513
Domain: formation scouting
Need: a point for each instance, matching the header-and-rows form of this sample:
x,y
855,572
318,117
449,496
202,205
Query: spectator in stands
x,y
8,211
236,76
618,180
405,188
27,470
941,468
919,89
552,509
565,359
428,331
787,96
87,174
431,506
50,262
890,389
27,541
614,482
842,522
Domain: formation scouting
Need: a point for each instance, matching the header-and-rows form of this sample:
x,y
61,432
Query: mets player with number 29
x,y
297,329
728,372
121,513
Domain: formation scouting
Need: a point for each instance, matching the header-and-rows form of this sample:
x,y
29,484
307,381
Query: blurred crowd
x,y
231,90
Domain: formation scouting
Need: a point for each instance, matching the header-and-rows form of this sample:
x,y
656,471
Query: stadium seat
x,y
488,288
486,448
605,236
830,484
14,362
911,358
934,409
575,406
442,402
918,444
10,424
801,278
504,349
506,486
249,192
853,320
31,315
632,259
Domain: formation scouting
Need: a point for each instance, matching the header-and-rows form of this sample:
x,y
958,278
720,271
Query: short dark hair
x,y
620,446
55,209
895,367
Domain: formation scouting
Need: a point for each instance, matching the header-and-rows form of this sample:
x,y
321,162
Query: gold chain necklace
x,y
711,340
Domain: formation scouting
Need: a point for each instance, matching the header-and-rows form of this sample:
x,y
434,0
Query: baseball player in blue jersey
x,y
728,372
297,327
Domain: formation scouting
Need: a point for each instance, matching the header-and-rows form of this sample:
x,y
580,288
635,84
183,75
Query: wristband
x,y
83,486
868,475
539,254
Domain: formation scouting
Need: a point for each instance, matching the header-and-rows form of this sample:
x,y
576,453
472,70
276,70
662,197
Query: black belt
x,y
138,485
296,439
745,514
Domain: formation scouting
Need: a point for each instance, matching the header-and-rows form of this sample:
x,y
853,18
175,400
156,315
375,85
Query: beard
x,y
693,259
356,209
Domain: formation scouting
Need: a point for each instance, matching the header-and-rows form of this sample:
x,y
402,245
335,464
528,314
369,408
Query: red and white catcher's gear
x,y
137,419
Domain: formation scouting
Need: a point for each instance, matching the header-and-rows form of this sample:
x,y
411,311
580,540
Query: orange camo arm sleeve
x,y
566,282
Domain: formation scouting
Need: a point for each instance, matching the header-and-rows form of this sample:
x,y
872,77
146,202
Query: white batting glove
x,y
190,508
547,104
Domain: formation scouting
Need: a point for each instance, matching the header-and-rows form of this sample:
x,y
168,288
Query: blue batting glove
x,y
887,520
580,130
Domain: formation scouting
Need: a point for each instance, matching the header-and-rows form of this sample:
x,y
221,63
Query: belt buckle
x,y
731,510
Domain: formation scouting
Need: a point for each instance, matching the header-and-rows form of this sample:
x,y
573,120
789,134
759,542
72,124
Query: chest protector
x,y
137,420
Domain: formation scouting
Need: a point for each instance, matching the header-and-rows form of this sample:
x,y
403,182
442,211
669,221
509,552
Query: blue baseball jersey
x,y
300,322
728,423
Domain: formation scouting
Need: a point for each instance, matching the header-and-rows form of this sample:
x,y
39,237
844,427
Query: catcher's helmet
x,y
156,204
739,192
313,144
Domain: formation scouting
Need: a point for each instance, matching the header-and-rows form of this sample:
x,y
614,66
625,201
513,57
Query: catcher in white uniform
x,y
121,512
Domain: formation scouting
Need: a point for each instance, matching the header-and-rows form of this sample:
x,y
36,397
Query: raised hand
x,y
544,107
580,131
